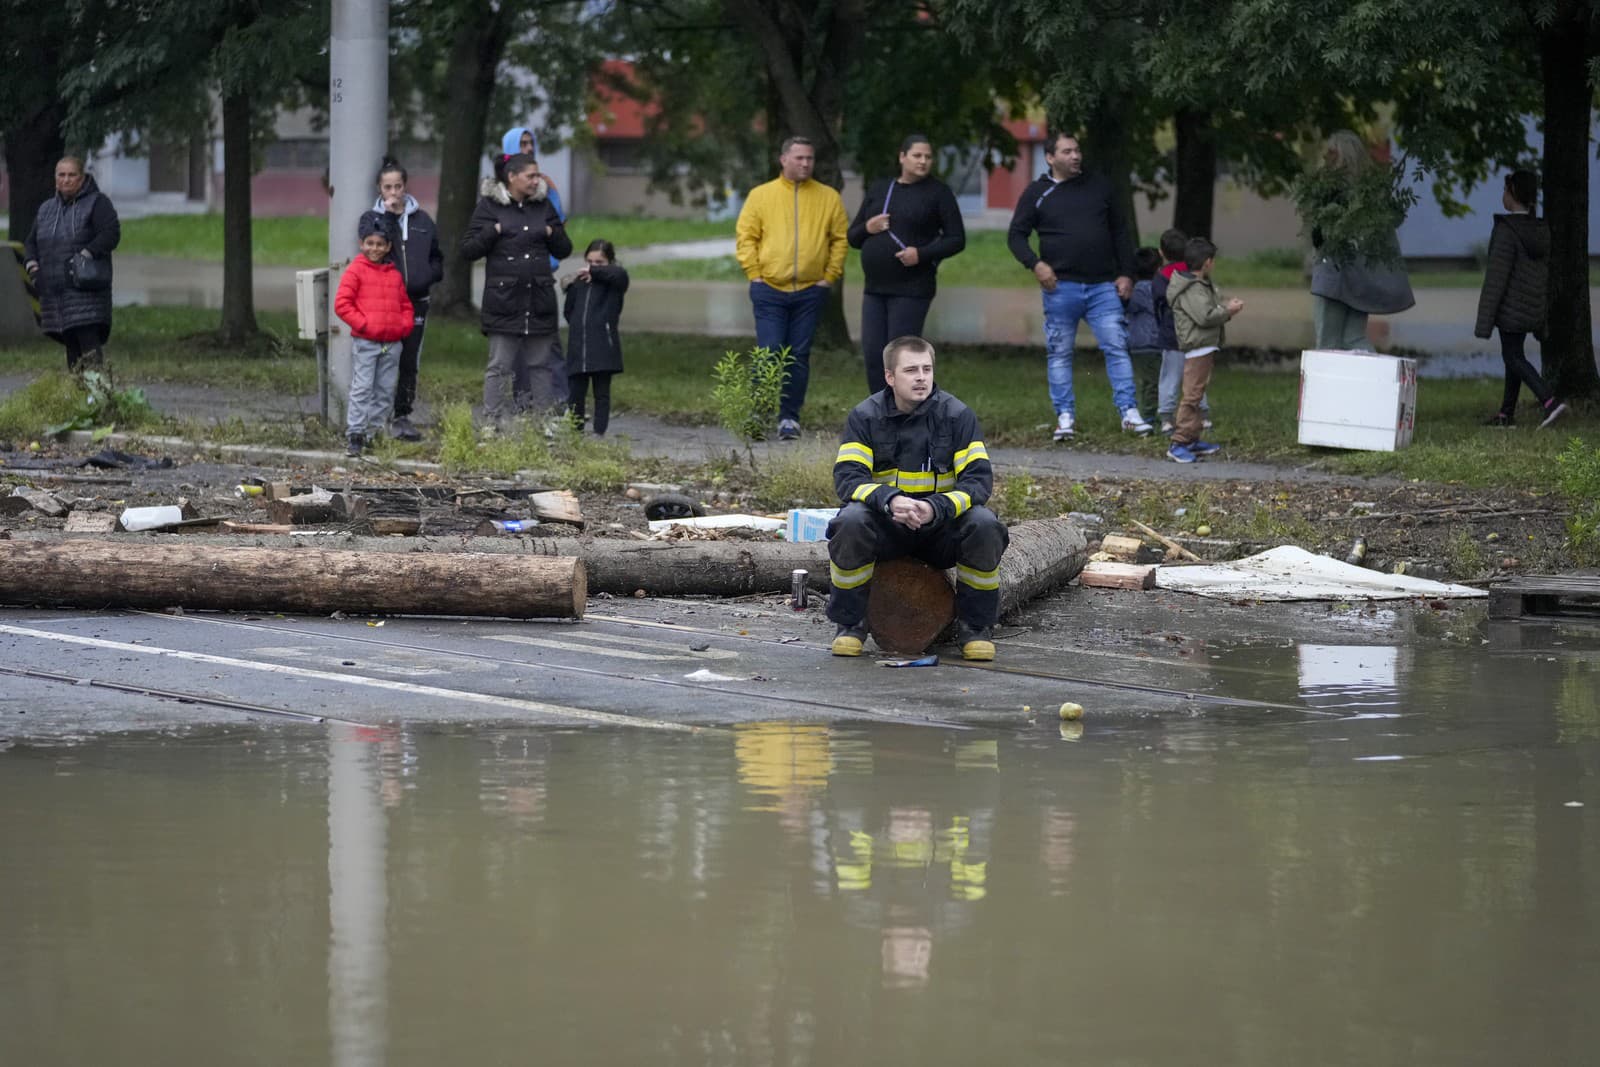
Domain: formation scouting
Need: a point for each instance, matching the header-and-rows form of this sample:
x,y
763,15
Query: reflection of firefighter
x,y
781,760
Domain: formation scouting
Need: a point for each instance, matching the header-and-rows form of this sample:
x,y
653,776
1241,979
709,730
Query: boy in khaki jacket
x,y
1199,313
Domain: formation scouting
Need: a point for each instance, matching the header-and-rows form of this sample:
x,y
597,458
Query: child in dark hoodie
x,y
594,345
1144,331
1513,297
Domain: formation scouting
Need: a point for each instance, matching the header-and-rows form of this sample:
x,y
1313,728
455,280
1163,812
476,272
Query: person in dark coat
x,y
1513,299
905,227
594,347
421,263
516,230
78,221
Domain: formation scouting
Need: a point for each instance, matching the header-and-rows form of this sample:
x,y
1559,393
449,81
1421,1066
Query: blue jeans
x,y
1064,306
788,320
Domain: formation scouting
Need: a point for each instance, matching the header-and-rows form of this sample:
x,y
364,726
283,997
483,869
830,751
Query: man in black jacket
x,y
516,230
913,475
1085,269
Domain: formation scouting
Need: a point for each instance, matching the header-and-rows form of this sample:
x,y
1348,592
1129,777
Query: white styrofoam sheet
x,y
721,522
1291,573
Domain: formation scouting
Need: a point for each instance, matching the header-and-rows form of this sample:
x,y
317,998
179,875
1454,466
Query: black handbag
x,y
87,274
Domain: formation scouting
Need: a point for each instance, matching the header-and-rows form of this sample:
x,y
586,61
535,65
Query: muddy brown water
x,y
1396,873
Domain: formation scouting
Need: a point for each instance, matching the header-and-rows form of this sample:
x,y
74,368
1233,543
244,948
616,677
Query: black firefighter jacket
x,y
933,452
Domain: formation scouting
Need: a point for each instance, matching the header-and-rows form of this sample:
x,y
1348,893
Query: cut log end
x,y
909,606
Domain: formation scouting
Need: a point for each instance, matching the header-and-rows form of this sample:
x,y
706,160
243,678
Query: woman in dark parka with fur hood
x,y
516,230
1513,299
78,221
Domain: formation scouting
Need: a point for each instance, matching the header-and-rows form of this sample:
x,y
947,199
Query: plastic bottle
x,y
151,518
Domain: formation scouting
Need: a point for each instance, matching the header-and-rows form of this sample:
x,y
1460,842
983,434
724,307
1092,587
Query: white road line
x,y
619,653
534,706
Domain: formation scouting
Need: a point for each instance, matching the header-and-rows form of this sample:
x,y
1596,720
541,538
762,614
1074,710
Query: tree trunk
x,y
138,574
33,146
474,61
1106,150
1196,173
238,268
1044,555
1568,343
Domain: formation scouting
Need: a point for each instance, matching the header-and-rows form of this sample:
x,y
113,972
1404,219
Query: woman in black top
x,y
906,225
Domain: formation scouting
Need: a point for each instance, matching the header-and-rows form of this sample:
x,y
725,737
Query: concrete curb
x,y
266,455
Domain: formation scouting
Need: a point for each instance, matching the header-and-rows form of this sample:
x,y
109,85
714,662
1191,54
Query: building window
x,y
621,156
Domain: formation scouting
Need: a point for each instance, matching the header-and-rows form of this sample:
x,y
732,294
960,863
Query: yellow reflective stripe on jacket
x,y
961,500
851,579
971,454
917,481
864,490
976,579
946,481
855,452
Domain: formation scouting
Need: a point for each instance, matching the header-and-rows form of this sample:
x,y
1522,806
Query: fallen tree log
x,y
1044,555
139,574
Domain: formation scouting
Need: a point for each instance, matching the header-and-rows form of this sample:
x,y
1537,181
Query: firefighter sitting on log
x,y
912,476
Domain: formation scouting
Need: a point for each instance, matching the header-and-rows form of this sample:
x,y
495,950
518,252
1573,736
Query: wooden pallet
x,y
1560,595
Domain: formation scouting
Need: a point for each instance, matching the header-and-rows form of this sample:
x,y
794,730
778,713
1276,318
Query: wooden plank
x,y
1121,547
229,526
92,522
387,525
1100,575
1172,546
1564,595
558,505
279,490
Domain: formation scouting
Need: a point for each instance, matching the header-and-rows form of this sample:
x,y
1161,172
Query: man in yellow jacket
x,y
791,244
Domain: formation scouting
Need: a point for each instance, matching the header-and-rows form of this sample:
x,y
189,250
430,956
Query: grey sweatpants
x,y
374,369
522,364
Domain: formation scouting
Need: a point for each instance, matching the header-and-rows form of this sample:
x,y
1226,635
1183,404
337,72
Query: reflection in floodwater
x,y
1226,887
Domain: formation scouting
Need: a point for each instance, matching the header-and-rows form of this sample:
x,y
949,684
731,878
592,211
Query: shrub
x,y
747,391
1578,477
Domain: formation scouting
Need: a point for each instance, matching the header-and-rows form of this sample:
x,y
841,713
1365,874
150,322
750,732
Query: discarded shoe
x,y
1064,429
1133,421
849,639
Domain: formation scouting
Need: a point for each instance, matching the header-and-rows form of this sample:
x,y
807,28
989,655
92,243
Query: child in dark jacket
x,y
594,347
372,300
1514,293
1144,332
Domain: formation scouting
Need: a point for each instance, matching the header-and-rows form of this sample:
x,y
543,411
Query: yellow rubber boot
x,y
978,649
848,641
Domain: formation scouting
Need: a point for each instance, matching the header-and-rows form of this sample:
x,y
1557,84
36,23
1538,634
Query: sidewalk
x,y
649,437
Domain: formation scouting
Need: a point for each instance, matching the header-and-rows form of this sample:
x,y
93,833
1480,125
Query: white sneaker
x,y
1205,424
1063,426
1132,420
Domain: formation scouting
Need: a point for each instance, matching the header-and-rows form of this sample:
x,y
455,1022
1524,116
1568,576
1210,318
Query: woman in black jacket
x,y
594,347
1513,296
516,230
905,227
416,253
77,224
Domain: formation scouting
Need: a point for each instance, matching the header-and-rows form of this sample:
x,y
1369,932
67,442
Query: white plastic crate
x,y
1357,400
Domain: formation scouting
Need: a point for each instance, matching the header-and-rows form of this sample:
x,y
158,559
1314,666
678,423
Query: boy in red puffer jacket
x,y
372,300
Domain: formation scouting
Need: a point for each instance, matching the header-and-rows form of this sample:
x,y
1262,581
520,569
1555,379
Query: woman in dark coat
x,y
906,226
516,230
1513,296
78,221
594,347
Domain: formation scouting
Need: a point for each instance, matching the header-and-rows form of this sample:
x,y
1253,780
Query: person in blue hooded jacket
x,y
521,140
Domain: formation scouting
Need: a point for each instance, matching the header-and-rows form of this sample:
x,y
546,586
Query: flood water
x,y
1396,873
